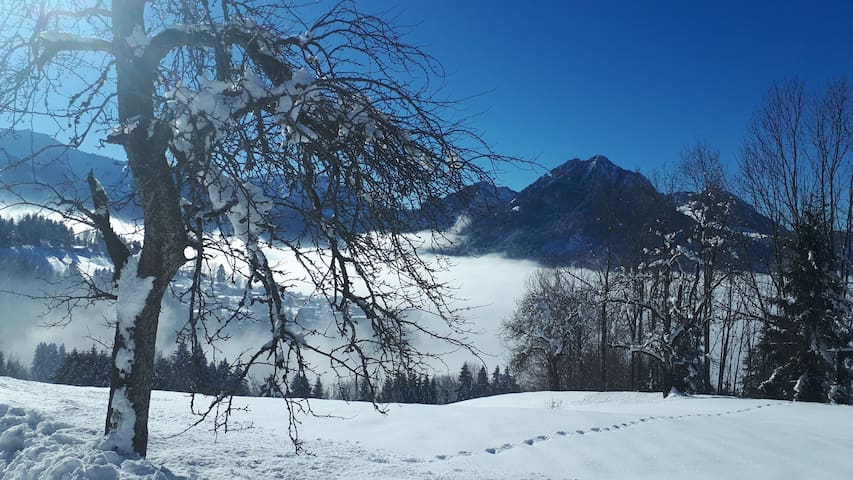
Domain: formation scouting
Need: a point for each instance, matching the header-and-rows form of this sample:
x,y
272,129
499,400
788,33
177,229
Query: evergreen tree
x,y
796,342
270,388
510,384
299,386
365,391
11,367
427,394
202,375
497,381
87,368
46,361
386,394
182,368
164,371
432,392
482,387
465,389
16,369
317,390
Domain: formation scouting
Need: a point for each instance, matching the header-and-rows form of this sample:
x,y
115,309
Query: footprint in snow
x,y
493,451
595,429
531,441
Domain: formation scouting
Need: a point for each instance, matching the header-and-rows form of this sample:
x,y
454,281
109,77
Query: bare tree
x,y
239,115
709,207
551,327
661,298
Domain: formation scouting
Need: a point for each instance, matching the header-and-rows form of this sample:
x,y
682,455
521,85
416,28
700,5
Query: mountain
x,y
741,218
568,216
38,167
572,213
474,201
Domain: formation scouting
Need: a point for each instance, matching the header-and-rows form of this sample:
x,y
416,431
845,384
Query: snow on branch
x,y
53,42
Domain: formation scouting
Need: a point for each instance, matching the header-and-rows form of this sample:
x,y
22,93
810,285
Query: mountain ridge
x,y
574,214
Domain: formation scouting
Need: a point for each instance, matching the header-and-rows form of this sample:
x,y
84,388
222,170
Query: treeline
x,y
410,387
36,230
181,371
11,367
712,308
185,371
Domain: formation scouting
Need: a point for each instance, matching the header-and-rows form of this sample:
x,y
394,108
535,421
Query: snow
x,y
542,435
132,293
138,41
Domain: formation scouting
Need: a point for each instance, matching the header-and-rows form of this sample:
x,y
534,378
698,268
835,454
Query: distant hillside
x,y
38,167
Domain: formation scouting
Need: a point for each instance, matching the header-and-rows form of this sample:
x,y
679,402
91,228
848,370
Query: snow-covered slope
x,y
50,430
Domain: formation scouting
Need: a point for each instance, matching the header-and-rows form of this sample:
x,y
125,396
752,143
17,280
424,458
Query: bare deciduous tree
x,y
552,326
709,208
241,116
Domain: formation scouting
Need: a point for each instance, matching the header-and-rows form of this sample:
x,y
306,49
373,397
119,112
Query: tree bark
x,y
165,236
553,366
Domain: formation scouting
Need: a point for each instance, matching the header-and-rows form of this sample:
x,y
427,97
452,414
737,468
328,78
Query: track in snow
x,y
614,427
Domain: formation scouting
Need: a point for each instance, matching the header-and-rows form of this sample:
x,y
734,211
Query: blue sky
x,y
633,80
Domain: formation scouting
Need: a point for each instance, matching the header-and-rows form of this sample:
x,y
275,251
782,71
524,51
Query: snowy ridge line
x,y
614,427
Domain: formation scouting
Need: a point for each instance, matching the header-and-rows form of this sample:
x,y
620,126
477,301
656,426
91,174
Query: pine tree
x,y
796,342
299,386
432,392
465,389
164,374
182,368
365,391
317,391
46,361
386,394
269,388
510,383
482,387
16,369
85,368
220,275
497,381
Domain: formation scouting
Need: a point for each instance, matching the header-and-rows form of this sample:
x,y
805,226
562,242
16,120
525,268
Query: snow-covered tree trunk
x,y
164,239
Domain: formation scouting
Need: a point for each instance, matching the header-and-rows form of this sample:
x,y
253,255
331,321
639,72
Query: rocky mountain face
x,y
572,214
584,210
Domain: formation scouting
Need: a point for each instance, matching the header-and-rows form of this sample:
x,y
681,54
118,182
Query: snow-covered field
x,y
49,432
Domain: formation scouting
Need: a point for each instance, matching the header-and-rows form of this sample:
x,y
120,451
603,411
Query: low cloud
x,y
485,288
